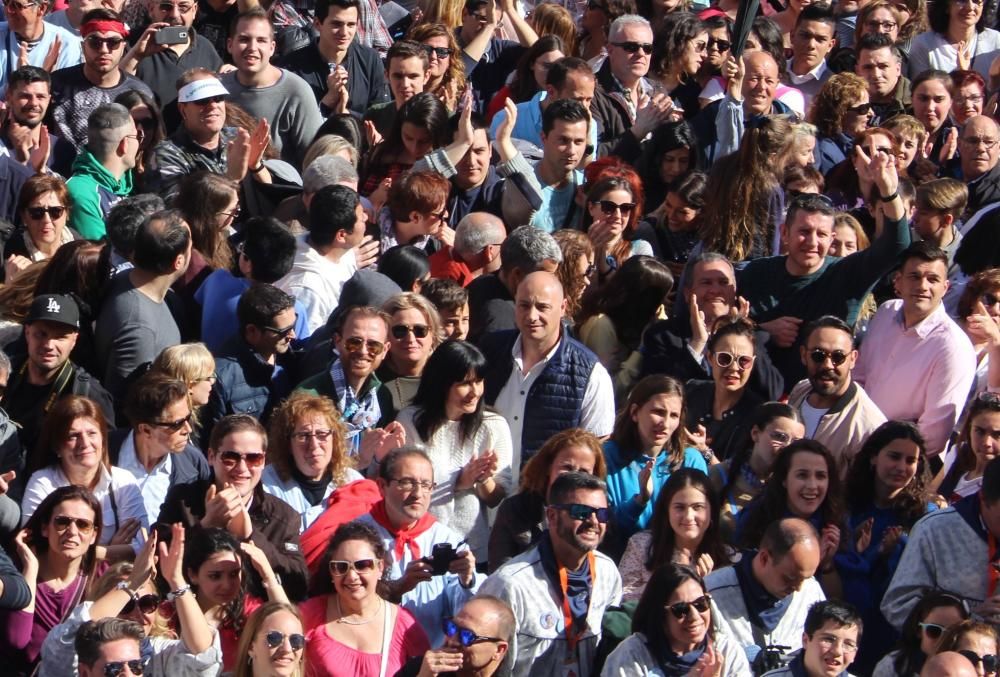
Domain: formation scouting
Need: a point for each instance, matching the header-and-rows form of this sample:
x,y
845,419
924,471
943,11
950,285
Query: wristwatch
x,y
179,592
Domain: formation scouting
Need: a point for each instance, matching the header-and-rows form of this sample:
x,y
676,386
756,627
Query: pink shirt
x,y
922,374
327,656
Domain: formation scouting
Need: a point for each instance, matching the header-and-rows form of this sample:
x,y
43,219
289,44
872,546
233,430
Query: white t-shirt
x,y
811,417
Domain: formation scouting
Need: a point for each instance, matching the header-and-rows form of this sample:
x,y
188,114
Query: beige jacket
x,y
846,425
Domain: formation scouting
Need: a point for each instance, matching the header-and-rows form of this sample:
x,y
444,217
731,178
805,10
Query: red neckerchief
x,y
572,638
404,537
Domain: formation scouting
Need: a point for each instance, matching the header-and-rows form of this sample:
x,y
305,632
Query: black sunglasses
x,y
633,47
276,638
173,426
441,52
820,356
117,668
990,661
466,637
680,610
722,45
53,212
147,604
95,42
609,207
860,109
281,333
400,331
582,513
211,99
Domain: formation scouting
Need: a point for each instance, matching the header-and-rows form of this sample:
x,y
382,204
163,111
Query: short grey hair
x,y
527,248
619,24
106,127
476,231
704,257
327,170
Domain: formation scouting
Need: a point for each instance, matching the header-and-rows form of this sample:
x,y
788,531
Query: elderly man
x,y
46,45
563,580
979,144
412,535
476,251
542,380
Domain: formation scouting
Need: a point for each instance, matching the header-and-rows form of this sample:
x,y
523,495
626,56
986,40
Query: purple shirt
x,y
23,633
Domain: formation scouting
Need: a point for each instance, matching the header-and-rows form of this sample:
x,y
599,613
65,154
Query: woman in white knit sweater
x,y
470,448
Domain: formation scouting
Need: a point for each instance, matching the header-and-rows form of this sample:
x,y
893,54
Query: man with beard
x,y
413,539
43,44
559,589
268,92
880,65
835,410
78,90
476,642
29,94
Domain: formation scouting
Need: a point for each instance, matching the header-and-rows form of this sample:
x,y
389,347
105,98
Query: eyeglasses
x,y
232,215
211,99
409,485
633,47
339,567
211,378
95,42
743,362
54,213
147,604
231,459
876,25
932,630
830,641
355,344
860,109
989,300
169,7
582,513
276,638
972,98
283,332
975,141
64,522
440,52
974,3
721,45
173,426
781,437
680,610
820,356
306,435
117,668
609,207
20,6
466,637
400,331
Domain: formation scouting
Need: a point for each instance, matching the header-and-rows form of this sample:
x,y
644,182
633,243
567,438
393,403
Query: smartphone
x,y
171,35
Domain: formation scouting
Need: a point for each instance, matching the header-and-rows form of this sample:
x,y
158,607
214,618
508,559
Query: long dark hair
x,y
910,659
524,86
425,111
661,546
986,402
43,515
649,614
772,504
199,545
939,17
667,137
450,363
322,582
678,29
762,417
911,503
626,431
631,297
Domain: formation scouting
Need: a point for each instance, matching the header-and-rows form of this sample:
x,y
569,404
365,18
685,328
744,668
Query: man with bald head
x,y
764,599
475,252
979,146
949,664
541,379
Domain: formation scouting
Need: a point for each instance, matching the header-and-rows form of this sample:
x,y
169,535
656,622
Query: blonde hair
x,y
16,296
121,571
330,144
244,668
453,81
799,132
187,362
551,19
844,219
943,195
298,406
904,125
410,301
447,12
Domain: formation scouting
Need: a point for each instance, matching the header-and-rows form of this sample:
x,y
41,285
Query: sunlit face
x,y
785,575
46,229
856,117
579,87
283,660
410,349
417,140
219,579
694,626
116,651
372,332
407,78
694,54
882,21
23,14
356,585
253,46
922,285
760,83
172,440
803,153
732,377
674,164
49,344
474,166
968,102
137,615
690,514
806,483
826,377
201,389
339,27
618,218
718,47
908,148
984,436
28,103
714,287
811,42
895,465
657,419
844,242
830,649
808,238
931,104
244,473
945,616
407,506
204,118
439,64
455,323
83,448
775,436
980,644
464,396
173,12
979,145
964,14
629,67
539,308
564,145
572,459
64,532
681,216
880,68
582,535
312,445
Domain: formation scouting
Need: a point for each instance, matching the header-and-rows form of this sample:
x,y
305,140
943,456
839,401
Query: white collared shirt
x,y
153,484
809,83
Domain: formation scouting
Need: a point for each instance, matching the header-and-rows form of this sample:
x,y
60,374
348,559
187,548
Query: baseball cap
x,y
59,308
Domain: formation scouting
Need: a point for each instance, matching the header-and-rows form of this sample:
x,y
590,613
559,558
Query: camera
x,y
442,555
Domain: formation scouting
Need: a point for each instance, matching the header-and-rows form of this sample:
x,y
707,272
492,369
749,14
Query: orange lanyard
x,y
992,563
574,638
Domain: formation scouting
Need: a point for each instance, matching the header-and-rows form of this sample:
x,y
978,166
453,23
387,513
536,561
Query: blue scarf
x,y
763,609
678,665
359,413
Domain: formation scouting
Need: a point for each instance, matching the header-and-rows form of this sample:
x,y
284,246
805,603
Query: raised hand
x,y
863,535
38,157
259,141
238,155
699,329
646,481
374,138
172,558
29,560
126,532
144,567
52,56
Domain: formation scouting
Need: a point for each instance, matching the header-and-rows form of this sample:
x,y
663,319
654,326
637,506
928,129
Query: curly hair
x,y
574,245
839,93
453,81
535,474
982,282
298,407
322,584
677,30
911,503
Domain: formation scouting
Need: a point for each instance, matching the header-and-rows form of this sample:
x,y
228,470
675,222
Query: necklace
x,y
363,622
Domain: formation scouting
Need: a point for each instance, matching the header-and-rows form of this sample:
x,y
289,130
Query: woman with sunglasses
x,y
447,62
273,643
888,493
921,634
673,633
719,411
613,208
684,530
741,478
43,207
519,519
976,447
576,270
977,641
647,445
840,111
72,449
414,333
978,314
307,447
351,629
128,591
217,566
57,550
958,39
146,115
469,446
680,48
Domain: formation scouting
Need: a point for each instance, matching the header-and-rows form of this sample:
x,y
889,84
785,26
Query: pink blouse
x,y
327,656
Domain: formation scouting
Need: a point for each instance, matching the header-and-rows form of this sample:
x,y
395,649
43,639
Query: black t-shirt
x,y
25,407
214,26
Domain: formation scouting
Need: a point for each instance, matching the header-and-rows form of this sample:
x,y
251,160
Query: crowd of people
x,y
475,337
